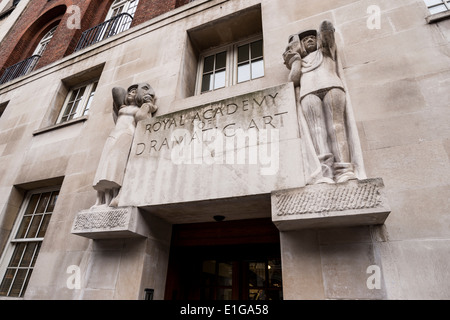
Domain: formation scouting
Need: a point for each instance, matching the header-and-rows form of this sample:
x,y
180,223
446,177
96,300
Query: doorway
x,y
236,260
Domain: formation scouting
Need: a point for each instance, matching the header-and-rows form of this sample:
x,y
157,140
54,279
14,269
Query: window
x,y
9,9
214,71
437,6
123,6
122,23
20,256
250,61
44,42
233,64
78,102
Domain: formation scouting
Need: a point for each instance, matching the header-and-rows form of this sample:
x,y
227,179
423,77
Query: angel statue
x,y
325,118
130,106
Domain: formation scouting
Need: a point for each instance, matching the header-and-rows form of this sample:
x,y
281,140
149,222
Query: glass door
x,y
230,260
227,275
263,279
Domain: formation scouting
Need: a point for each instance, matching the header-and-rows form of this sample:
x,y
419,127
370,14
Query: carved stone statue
x,y
130,106
311,57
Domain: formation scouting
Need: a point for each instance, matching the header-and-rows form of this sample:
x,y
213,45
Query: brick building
x,y
257,226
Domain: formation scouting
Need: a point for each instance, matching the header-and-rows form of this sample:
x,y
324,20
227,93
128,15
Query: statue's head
x,y
308,40
303,42
139,94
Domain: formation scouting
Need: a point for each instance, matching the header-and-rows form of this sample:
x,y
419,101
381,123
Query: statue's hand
x,y
327,26
145,111
290,57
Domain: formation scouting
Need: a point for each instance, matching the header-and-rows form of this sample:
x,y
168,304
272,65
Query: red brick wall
x,y
148,9
41,15
36,20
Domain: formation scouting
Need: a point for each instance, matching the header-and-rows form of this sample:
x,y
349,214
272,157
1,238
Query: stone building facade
x,y
197,216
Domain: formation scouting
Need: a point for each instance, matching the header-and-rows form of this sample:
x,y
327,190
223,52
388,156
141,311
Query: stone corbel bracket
x,y
109,223
354,203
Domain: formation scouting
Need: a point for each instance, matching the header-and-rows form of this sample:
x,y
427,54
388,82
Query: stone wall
x,y
397,79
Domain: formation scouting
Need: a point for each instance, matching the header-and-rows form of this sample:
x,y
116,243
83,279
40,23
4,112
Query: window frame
x,y
7,255
231,71
126,7
236,58
446,3
84,104
43,43
200,72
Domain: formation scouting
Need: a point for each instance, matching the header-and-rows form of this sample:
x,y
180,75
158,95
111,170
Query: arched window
x,y
119,18
116,23
44,42
122,6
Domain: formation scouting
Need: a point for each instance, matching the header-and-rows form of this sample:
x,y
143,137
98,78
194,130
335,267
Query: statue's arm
x,y
296,72
119,96
327,38
146,111
293,62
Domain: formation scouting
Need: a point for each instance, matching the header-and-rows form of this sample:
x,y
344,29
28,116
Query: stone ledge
x,y
438,17
109,223
356,202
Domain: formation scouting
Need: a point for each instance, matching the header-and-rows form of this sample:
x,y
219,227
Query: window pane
x,y
243,73
274,267
51,205
219,80
243,55
432,2
208,64
7,281
224,294
80,93
221,60
18,283
257,69
68,110
257,49
209,272
43,202
32,205
36,253
437,9
257,274
257,294
23,227
207,82
132,8
225,274
73,96
44,226
29,253
91,97
34,226
17,255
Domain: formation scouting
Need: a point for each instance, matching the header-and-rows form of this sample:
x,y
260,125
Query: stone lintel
x,y
353,203
109,223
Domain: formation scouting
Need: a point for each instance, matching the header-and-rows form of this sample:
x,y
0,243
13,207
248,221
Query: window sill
x,y
438,16
3,298
60,125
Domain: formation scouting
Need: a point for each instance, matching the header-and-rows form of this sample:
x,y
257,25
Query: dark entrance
x,y
236,260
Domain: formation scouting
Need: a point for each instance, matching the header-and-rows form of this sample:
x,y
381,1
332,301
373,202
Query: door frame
x,y
234,241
